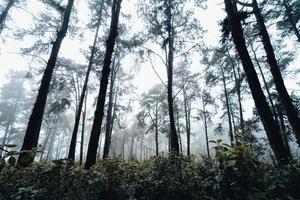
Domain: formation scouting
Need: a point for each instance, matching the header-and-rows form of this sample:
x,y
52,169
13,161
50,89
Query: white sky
x,y
146,77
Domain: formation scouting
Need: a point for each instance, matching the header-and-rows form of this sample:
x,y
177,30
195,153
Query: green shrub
x,y
234,173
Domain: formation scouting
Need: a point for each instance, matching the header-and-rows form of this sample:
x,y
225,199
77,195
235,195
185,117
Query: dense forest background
x,y
135,88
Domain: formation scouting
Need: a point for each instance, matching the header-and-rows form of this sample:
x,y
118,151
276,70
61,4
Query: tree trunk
x,y
187,124
4,14
141,147
227,106
238,92
173,134
131,147
178,128
205,128
108,133
285,98
156,140
36,117
72,148
98,117
291,20
271,127
82,130
46,141
265,84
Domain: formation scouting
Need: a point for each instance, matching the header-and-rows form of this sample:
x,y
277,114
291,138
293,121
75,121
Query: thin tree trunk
x,y
131,147
82,130
156,140
284,96
36,117
178,130
238,91
227,106
4,14
240,102
205,129
141,148
46,141
98,117
72,148
109,109
265,84
173,134
178,127
187,124
271,127
50,148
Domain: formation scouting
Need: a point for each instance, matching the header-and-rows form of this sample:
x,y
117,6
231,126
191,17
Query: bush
x,y
235,173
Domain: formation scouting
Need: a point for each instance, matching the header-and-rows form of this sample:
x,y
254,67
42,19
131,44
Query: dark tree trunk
x,y
98,117
141,147
156,141
173,133
271,127
108,132
178,127
82,130
187,121
227,106
288,11
4,14
72,148
36,117
285,98
205,129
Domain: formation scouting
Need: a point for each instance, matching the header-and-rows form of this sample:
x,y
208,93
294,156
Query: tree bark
x,y
205,128
36,117
108,132
98,117
83,130
271,127
187,121
178,130
173,134
284,96
72,148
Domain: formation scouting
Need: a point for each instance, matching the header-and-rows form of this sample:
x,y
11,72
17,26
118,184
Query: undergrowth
x,y
234,173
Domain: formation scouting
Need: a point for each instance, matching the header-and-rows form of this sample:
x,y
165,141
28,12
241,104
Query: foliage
x,y
234,173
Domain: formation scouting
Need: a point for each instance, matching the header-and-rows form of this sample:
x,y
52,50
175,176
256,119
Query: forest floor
x,y
234,173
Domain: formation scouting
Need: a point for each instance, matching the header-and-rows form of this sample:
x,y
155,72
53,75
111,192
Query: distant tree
x,y
153,109
206,115
12,106
170,25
